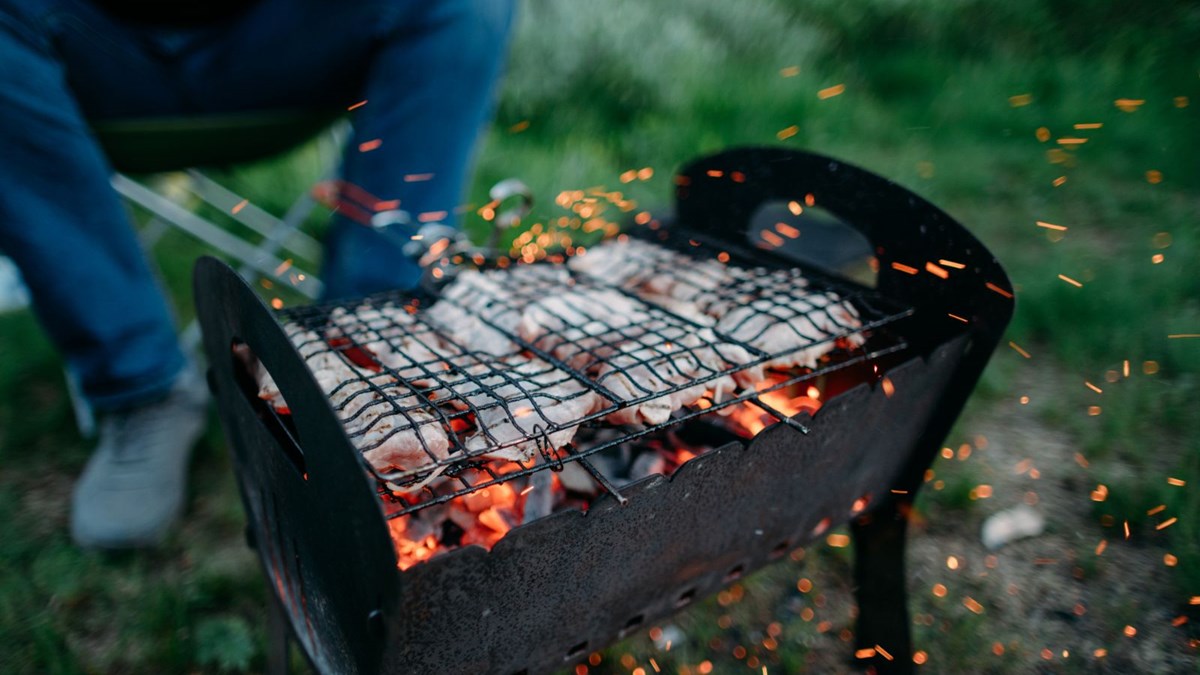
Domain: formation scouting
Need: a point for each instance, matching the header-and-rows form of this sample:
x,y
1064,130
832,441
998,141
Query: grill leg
x,y
880,587
278,640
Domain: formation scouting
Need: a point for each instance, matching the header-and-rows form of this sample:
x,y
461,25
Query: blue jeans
x,y
427,69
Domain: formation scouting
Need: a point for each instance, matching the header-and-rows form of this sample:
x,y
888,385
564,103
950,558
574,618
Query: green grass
x,y
619,84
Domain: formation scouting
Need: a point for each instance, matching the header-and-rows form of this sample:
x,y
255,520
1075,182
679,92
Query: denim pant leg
x,y
428,72
430,91
64,226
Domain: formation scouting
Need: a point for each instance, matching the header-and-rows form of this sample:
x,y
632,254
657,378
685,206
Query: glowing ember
x,y
748,420
830,92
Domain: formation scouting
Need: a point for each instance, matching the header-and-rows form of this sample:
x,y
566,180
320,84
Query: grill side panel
x,y
311,511
553,591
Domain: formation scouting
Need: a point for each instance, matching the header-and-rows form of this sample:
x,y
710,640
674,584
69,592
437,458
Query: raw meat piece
x,y
469,330
514,399
800,329
654,365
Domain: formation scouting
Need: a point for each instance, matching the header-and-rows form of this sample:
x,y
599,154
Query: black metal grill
x,y
561,585
436,384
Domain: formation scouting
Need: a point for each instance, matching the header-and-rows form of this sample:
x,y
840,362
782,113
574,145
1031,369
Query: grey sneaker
x,y
134,486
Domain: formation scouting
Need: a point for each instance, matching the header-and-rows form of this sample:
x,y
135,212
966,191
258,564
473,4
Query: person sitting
x,y
424,75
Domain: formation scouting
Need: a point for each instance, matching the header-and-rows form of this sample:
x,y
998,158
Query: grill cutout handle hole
x,y
632,624
803,231
280,426
576,650
780,549
685,598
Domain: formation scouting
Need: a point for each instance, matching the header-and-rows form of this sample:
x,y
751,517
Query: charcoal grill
x,y
555,589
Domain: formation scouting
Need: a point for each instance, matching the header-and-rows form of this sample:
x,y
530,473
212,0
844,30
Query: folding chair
x,y
159,145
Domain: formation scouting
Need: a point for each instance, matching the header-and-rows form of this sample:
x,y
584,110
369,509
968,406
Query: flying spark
x,y
239,206
830,92
1020,100
358,105
1071,281
1018,349
936,271
997,289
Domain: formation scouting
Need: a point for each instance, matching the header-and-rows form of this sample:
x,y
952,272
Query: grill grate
x,y
558,348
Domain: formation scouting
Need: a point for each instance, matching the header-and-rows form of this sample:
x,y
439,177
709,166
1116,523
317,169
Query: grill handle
x,y
911,238
719,194
324,544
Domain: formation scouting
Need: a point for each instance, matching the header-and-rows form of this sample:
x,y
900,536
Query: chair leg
x,y
883,621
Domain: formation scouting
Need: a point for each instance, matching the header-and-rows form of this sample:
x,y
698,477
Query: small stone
x,y
1012,524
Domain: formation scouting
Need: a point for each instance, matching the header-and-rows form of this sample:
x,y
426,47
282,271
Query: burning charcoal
x,y
646,464
452,534
486,515
415,539
539,500
576,478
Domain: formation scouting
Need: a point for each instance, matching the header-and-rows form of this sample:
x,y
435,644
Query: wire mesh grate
x,y
494,380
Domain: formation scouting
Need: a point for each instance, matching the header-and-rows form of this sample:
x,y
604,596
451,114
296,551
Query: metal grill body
x,y
557,588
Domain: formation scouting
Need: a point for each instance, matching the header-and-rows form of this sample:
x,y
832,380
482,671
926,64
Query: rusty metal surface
x,y
310,508
572,582
554,590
